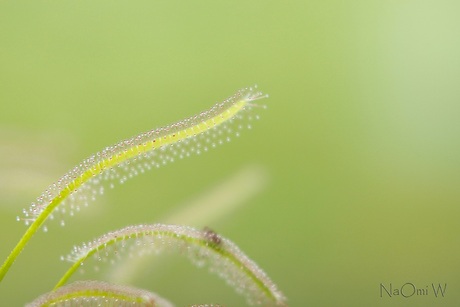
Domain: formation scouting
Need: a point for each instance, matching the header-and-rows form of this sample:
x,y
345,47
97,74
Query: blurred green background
x,y
359,148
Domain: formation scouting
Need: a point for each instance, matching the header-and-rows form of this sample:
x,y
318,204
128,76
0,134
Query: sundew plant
x,y
116,164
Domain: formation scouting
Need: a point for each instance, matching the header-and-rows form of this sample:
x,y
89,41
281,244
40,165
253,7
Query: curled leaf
x,y
97,293
151,149
202,247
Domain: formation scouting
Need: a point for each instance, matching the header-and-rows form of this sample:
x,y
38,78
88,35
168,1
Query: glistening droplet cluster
x,y
129,158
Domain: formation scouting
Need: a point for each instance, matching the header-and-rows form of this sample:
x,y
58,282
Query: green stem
x,y
26,237
69,273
